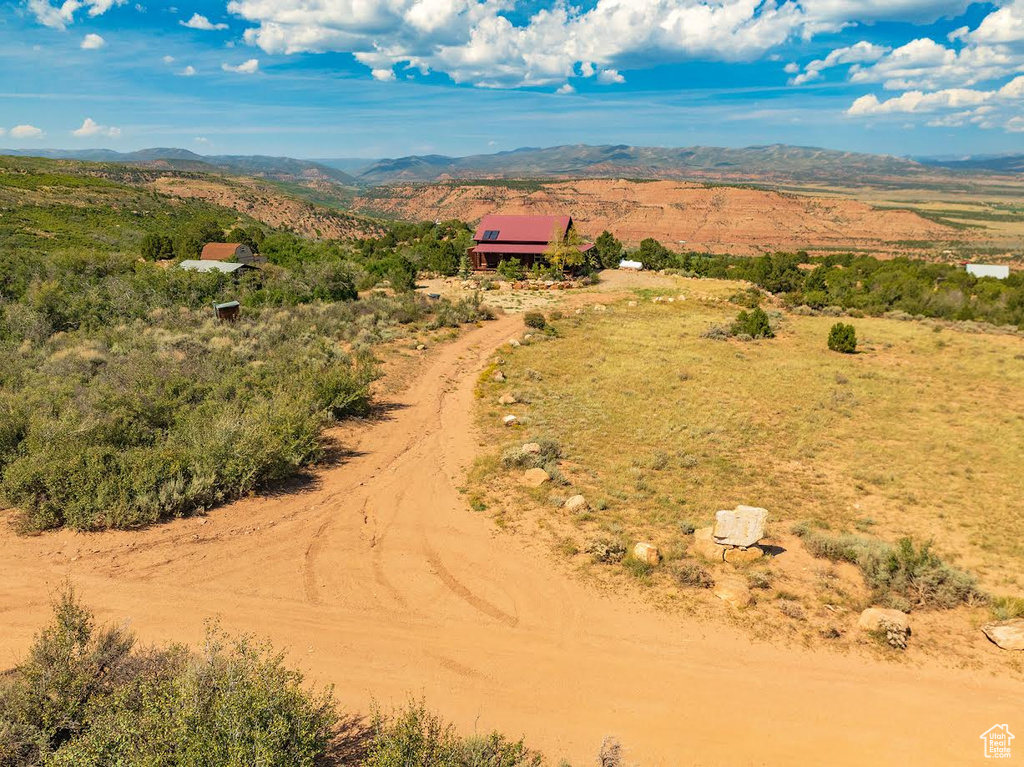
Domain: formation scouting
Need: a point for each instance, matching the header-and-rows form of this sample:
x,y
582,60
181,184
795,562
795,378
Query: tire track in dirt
x,y
456,587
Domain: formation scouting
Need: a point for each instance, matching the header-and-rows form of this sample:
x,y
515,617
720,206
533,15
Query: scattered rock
x,y
631,304
647,552
881,618
1007,635
498,377
704,544
420,347
532,448
514,343
507,399
510,420
743,526
739,556
734,591
600,308
535,477
576,504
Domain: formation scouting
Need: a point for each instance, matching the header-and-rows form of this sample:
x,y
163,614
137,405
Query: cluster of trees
x,y
859,283
428,247
90,696
190,241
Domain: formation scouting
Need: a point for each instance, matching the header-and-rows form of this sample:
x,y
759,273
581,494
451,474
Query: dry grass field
x,y
918,434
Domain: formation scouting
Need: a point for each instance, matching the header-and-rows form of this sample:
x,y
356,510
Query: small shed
x,y
999,271
227,311
229,251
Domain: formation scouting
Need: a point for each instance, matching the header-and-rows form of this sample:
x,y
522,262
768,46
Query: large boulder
x,y
743,526
1007,635
882,619
733,590
535,477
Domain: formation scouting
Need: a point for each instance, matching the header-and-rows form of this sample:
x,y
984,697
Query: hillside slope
x,y
108,206
718,219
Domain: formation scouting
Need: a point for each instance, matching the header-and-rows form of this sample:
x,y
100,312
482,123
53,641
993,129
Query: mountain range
x,y
777,163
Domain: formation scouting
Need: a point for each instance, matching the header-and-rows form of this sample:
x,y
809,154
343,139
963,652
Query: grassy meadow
x,y
917,434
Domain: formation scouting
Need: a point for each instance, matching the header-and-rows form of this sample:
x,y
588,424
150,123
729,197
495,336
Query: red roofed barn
x,y
500,238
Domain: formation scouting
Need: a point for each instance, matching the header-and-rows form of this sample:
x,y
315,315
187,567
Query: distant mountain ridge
x,y
774,163
996,163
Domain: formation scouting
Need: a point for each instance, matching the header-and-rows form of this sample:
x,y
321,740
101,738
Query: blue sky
x,y
375,78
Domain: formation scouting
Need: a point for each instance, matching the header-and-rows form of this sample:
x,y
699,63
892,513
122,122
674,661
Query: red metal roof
x,y
535,229
219,251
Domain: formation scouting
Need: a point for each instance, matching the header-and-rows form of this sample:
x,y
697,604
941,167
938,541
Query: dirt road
x,y
380,579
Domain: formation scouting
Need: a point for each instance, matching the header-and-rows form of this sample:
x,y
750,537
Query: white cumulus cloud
x,y
189,71
198,21
474,41
60,16
608,76
855,54
91,128
249,67
92,42
26,131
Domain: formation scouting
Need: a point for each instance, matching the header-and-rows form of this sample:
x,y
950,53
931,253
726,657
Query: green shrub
x,y
842,338
606,551
753,323
416,736
1007,608
86,697
535,320
449,314
693,575
517,458
510,269
902,576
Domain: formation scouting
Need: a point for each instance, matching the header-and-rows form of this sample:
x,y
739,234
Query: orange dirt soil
x,y
735,220
269,207
378,578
